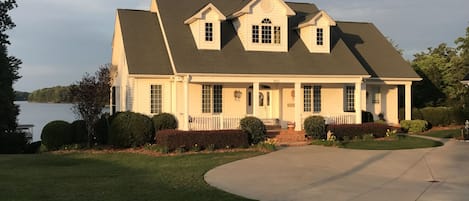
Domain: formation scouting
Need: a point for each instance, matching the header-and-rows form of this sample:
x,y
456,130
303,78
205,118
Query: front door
x,y
264,106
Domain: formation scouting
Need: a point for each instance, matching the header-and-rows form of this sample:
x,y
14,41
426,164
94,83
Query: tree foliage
x,y
91,94
442,68
9,67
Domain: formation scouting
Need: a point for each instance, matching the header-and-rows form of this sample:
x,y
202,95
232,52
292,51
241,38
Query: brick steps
x,y
288,137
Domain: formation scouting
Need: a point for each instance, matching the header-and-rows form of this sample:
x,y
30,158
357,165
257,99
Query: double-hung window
x,y
349,99
212,99
156,99
317,98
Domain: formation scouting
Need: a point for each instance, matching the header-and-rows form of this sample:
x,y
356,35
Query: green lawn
x,y
111,176
452,133
389,143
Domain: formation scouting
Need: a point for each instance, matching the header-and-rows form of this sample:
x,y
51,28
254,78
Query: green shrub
x,y
367,117
129,129
33,147
255,129
209,140
12,143
164,121
101,128
56,134
79,132
414,126
315,127
438,116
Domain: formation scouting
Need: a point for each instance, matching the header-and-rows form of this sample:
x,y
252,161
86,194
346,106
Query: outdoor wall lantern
x,y
237,94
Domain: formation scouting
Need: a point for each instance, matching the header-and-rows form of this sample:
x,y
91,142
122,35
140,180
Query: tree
x,y
442,68
9,67
91,94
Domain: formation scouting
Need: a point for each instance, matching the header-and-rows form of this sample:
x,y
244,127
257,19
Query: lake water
x,y
40,114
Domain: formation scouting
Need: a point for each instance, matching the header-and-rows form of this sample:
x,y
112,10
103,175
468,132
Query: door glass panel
x,y
261,99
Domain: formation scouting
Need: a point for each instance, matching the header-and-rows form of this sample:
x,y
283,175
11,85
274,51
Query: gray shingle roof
x,y
144,41
374,51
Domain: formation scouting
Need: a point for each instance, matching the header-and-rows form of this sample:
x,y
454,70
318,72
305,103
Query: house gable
x,y
262,25
315,32
205,26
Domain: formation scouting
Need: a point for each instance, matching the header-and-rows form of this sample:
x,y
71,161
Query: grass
x,y
451,133
111,176
389,143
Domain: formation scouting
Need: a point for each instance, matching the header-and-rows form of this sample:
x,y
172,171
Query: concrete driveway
x,y
323,173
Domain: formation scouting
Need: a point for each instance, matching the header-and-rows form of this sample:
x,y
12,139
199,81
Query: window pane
x,y
255,33
277,35
307,99
206,94
155,99
319,36
217,99
317,99
209,31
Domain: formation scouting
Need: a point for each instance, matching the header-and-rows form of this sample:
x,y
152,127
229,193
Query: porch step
x,y
286,137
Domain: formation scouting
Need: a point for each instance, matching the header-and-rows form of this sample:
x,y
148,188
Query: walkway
x,y
323,173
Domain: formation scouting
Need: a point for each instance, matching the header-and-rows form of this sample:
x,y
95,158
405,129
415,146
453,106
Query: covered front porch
x,y
220,103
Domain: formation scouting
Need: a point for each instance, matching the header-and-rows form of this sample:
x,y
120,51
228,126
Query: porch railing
x,y
336,118
214,122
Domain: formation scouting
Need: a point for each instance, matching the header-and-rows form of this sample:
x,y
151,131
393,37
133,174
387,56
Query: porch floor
x,y
285,137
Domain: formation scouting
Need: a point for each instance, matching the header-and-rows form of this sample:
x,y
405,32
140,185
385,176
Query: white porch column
x,y
298,123
255,98
363,88
358,102
408,101
173,96
186,104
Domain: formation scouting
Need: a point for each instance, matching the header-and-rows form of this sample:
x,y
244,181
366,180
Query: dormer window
x,y
315,32
266,32
319,36
205,26
209,31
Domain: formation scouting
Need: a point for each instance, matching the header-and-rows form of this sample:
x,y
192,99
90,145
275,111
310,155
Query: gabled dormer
x,y
206,27
315,32
262,25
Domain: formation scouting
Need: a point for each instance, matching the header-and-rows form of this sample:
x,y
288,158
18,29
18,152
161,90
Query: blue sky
x,y
59,40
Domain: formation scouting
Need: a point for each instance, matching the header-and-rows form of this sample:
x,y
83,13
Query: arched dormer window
x,y
266,31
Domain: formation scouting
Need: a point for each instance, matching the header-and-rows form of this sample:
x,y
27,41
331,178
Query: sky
x,y
61,40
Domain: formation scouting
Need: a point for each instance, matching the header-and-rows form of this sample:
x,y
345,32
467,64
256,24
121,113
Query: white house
x,y
212,62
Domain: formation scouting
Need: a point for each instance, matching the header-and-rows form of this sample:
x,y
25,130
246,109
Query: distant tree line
x,y
57,94
21,96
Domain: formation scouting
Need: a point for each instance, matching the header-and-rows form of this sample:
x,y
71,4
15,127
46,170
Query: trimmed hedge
x,y
56,134
164,121
79,132
129,129
176,139
315,127
358,130
12,143
414,126
439,116
255,129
